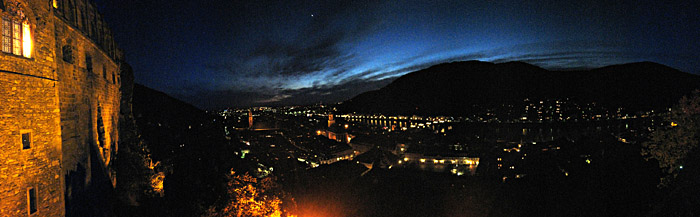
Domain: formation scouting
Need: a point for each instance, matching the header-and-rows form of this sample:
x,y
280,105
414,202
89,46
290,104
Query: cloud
x,y
301,58
317,47
274,99
414,64
315,69
570,60
329,93
332,93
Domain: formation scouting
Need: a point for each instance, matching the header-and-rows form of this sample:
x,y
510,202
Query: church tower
x,y
250,119
331,121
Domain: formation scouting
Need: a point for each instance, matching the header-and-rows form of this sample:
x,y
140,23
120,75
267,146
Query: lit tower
x,y
330,120
250,119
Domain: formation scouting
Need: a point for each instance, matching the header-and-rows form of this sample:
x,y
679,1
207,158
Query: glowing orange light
x,y
26,41
157,183
674,124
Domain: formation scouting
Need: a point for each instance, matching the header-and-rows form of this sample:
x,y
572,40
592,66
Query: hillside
x,y
452,88
191,147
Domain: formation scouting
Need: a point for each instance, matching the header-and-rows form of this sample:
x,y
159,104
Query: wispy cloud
x,y
344,81
316,48
274,99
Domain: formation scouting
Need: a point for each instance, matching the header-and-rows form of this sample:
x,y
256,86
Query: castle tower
x,y
331,121
250,119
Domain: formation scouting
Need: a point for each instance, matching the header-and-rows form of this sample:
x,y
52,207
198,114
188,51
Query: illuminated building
x,y
60,78
250,119
455,159
331,121
343,137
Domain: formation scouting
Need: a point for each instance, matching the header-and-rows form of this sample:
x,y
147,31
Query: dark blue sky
x,y
219,53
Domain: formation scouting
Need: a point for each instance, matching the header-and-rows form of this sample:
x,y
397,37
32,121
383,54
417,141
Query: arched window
x,y
16,31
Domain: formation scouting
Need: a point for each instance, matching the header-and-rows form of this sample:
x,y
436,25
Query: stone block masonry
x,y
59,105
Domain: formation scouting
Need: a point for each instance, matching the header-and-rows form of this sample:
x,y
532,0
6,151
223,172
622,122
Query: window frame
x,y
6,35
17,48
67,54
89,67
21,139
13,33
29,200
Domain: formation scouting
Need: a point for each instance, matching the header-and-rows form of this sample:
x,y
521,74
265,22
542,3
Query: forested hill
x,y
452,88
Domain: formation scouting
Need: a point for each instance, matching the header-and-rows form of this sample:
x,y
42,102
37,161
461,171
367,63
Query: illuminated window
x,y
6,35
16,38
31,196
16,34
26,41
26,140
54,3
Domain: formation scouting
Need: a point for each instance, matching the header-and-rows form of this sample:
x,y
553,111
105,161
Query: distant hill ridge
x,y
452,88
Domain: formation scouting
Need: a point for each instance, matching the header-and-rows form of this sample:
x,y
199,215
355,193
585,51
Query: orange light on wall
x,y
26,41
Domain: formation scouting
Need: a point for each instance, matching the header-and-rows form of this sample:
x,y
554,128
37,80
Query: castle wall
x,y
29,104
88,96
88,70
69,107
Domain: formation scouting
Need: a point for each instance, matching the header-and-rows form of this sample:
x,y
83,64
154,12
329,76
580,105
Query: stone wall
x,y
29,104
89,94
88,68
66,96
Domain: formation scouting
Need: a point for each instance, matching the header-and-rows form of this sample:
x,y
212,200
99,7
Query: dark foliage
x,y
675,147
191,145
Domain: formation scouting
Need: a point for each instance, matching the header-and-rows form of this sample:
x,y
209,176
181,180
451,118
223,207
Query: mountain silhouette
x,y
454,88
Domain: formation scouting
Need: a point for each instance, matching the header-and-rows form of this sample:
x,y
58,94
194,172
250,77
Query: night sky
x,y
221,53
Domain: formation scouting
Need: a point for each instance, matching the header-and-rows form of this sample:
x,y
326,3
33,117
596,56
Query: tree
x,y
251,197
672,145
138,177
